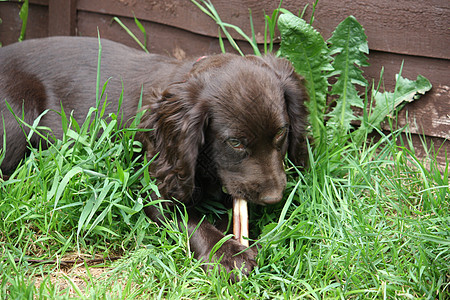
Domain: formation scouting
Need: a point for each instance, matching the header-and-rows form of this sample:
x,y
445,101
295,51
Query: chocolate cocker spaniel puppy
x,y
222,124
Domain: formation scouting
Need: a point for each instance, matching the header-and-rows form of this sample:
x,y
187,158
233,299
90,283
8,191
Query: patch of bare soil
x,y
71,273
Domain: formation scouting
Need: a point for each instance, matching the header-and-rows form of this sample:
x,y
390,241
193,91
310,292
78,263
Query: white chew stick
x,y
240,220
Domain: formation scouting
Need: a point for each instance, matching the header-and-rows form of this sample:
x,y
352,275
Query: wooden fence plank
x,y
162,39
403,26
62,17
38,2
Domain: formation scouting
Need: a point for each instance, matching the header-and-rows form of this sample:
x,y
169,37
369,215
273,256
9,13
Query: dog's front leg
x,y
232,255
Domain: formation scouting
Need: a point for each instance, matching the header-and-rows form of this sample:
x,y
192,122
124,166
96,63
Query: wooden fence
x,y
415,32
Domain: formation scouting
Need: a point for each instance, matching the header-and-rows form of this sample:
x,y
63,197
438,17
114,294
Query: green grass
x,y
373,224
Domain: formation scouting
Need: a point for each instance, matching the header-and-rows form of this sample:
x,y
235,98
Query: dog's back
x,y
41,74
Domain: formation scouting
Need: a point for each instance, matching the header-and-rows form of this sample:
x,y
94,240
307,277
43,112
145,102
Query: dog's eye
x,y
236,144
281,133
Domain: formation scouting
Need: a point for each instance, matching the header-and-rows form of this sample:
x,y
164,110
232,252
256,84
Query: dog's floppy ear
x,y
295,96
178,120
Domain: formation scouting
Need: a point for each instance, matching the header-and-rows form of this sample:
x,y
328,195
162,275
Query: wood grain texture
x,y
403,26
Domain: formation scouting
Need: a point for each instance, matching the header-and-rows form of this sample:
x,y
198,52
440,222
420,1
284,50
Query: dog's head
x,y
240,115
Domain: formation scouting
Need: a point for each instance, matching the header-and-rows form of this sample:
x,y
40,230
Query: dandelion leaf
x,y
348,45
387,103
307,50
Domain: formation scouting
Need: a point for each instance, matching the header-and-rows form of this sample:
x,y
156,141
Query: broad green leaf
x,y
349,45
306,49
387,103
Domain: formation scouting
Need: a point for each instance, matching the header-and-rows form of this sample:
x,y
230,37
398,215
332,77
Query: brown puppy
x,y
224,121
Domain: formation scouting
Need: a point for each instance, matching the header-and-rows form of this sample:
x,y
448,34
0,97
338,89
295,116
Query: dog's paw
x,y
233,256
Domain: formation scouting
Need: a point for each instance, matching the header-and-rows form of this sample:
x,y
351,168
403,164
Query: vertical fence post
x,y
62,17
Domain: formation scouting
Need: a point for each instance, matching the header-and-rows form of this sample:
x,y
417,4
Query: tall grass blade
x,y
130,33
